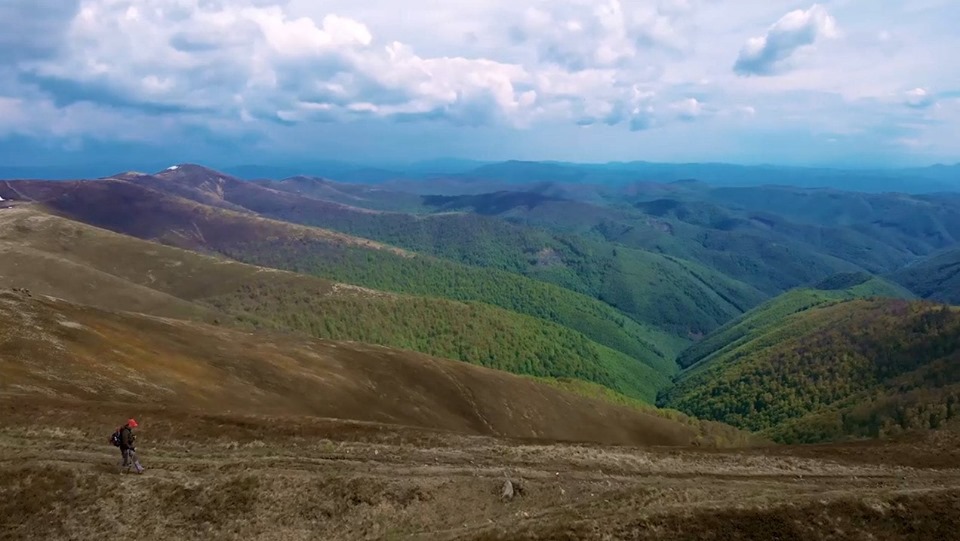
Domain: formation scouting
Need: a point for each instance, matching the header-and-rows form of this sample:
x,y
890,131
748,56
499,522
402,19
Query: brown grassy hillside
x,y
77,262
241,477
137,210
89,265
57,349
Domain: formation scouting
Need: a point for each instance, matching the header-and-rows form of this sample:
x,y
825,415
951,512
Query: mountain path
x,y
367,481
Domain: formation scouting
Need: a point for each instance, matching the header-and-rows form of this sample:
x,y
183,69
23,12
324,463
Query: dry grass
x,y
244,438
107,356
75,261
107,202
255,477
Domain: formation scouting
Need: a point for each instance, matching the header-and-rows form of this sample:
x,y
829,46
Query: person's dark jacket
x,y
126,438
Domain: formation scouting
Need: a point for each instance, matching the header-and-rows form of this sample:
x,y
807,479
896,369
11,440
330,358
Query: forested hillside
x,y
935,278
770,315
852,368
438,278
757,247
680,302
471,332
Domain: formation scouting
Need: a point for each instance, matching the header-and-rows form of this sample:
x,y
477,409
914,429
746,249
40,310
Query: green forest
x,y
855,367
771,314
666,292
431,277
469,332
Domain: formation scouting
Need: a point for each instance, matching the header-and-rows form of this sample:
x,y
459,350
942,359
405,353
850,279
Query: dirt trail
x,y
253,478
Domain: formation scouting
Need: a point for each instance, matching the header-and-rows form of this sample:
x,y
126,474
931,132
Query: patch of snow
x,y
173,168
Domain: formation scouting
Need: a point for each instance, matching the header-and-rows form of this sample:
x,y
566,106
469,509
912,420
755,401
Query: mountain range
x,y
482,351
653,291
471,175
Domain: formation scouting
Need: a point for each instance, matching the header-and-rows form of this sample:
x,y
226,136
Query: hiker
x,y
124,438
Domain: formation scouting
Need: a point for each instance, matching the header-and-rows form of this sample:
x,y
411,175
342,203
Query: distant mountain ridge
x,y
933,178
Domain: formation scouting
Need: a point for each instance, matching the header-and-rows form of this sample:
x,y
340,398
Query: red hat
x,y
132,423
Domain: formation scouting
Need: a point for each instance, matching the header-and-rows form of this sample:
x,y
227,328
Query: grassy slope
x,y
708,431
58,350
292,478
131,209
850,368
74,261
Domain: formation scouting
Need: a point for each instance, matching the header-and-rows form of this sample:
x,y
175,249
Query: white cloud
x,y
271,64
764,55
251,61
911,142
919,98
688,109
591,34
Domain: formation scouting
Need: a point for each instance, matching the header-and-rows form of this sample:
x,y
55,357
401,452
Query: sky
x,y
840,82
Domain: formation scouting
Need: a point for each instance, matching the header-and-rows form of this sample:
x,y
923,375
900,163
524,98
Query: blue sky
x,y
838,82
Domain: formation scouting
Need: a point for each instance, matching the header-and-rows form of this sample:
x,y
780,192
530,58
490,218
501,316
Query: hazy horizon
x,y
443,163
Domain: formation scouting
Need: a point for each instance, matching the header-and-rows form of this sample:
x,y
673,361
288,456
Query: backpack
x,y
115,438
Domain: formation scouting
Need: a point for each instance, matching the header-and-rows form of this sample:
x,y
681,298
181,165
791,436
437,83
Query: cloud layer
x,y
271,71
765,54
256,61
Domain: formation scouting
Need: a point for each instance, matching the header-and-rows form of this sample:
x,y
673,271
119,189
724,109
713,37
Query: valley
x,y
310,357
